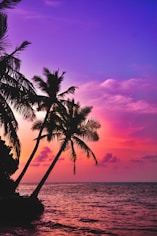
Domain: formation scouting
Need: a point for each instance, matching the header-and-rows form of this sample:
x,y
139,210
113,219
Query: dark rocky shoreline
x,y
18,209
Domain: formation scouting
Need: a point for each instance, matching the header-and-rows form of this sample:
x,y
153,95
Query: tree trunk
x,y
41,183
33,152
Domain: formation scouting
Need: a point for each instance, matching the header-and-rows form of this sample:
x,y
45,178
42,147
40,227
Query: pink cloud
x,y
108,158
44,155
116,85
151,158
129,95
148,158
125,108
35,164
137,161
44,158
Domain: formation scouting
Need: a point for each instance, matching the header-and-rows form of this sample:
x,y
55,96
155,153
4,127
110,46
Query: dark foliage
x,y
8,166
16,92
19,210
5,4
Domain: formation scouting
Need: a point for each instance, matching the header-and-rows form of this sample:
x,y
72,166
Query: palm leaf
x,y
40,83
8,4
3,30
69,90
10,125
22,46
85,148
19,99
37,125
88,130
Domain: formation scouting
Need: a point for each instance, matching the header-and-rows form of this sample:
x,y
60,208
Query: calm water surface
x,y
123,209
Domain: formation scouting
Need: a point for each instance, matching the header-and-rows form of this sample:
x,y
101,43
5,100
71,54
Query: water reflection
x,y
94,209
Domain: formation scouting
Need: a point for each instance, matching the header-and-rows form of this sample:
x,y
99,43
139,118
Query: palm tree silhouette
x,y
71,126
15,90
47,102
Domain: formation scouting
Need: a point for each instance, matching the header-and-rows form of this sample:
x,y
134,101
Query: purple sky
x,y
109,49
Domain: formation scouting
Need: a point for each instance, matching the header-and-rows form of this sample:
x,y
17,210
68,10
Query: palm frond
x,y
22,46
69,90
84,147
8,4
51,137
19,99
9,65
88,130
54,83
93,124
3,30
40,83
37,125
84,112
10,125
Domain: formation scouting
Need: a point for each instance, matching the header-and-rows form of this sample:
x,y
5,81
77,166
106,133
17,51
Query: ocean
x,y
87,209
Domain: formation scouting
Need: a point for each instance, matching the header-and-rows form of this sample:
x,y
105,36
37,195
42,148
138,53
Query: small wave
x,y
88,220
78,230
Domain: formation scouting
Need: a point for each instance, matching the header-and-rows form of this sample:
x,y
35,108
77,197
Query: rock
x,y
19,209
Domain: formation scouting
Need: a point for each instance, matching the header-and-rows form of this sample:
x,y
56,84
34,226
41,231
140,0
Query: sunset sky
x,y
108,48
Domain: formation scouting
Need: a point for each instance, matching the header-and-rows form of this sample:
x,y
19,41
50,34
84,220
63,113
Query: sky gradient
x,y
108,48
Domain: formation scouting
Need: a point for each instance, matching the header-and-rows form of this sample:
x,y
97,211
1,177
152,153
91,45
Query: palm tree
x,y
15,90
72,126
46,103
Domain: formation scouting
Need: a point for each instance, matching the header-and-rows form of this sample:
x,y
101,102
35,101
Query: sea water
x,y
122,209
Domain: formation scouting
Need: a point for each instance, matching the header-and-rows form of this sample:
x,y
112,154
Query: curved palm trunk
x,y
41,183
33,152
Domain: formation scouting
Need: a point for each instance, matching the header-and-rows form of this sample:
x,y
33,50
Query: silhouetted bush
x,y
8,166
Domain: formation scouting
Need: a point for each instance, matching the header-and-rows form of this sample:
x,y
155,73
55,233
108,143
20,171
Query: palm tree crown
x,y
71,126
46,102
70,123
51,88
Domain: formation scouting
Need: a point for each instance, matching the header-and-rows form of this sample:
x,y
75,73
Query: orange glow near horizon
x,y
115,73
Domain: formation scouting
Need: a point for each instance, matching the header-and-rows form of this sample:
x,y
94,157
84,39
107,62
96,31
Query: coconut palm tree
x,y
46,102
71,126
15,90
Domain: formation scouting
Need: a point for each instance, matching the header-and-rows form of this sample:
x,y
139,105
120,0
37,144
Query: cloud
x,y
126,96
122,85
141,160
35,164
45,158
44,155
128,107
152,158
108,158
137,161
53,3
